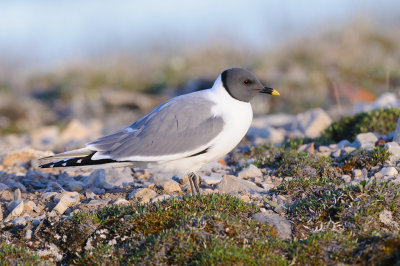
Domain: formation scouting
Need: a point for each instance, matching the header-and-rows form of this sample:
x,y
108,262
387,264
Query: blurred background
x,y
107,63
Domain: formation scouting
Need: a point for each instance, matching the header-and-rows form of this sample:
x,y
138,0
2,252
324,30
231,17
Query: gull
x,y
179,136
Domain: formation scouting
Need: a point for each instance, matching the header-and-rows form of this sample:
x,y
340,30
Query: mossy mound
x,y
382,121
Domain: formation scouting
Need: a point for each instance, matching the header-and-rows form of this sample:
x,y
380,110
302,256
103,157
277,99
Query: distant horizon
x,y
46,33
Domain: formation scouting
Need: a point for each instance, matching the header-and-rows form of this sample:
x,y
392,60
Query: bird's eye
x,y
246,82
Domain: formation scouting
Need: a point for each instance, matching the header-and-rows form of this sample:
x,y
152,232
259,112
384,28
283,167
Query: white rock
x,y
281,224
161,198
344,143
250,171
266,135
30,206
365,141
28,234
167,184
346,178
144,195
357,173
388,171
66,200
394,149
3,187
210,180
348,150
16,208
76,185
313,122
118,176
121,201
336,154
98,202
17,194
48,195
386,218
231,185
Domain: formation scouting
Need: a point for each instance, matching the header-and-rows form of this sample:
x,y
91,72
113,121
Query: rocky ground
x,y
307,184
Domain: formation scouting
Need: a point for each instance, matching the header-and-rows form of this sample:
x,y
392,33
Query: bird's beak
x,y
269,91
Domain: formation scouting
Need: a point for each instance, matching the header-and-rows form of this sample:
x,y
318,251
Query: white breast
x,y
237,116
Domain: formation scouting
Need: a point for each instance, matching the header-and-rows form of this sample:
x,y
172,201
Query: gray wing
x,y
183,124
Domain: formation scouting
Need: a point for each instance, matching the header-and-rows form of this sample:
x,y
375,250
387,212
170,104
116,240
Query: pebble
x,y
17,194
357,173
161,197
388,171
394,149
144,195
281,224
210,180
167,184
76,186
15,208
365,141
66,200
250,171
346,178
312,122
98,202
343,143
121,201
3,187
336,154
28,234
232,185
48,195
20,186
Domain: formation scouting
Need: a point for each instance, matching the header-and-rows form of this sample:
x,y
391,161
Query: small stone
x,y
98,202
348,150
357,173
20,220
388,171
3,187
245,198
117,177
386,218
267,186
336,154
281,224
121,201
344,143
313,122
250,171
346,178
161,198
76,186
30,206
15,208
168,185
365,141
232,185
17,194
22,156
394,149
144,195
100,178
211,180
19,185
48,195
66,200
28,234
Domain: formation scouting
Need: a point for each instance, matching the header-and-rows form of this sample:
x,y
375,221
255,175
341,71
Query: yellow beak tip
x,y
275,92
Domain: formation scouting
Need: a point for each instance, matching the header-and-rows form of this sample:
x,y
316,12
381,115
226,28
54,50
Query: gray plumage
x,y
182,124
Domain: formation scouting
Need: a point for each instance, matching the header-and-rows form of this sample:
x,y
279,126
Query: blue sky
x,y
52,31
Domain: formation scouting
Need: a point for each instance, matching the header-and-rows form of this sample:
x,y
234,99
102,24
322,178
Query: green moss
x,y
16,255
381,121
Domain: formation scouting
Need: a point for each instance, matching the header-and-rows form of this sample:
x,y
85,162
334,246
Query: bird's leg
x,y
195,178
191,184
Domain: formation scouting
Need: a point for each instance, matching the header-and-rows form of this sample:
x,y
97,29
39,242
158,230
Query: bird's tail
x,y
81,158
